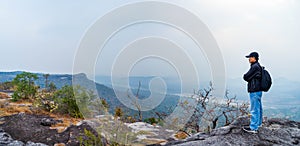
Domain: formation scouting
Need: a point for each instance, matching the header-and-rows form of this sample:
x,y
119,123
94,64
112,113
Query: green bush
x,y
25,87
52,87
118,112
66,101
6,86
89,139
44,100
151,120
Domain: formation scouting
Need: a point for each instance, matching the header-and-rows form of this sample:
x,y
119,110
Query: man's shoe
x,y
247,129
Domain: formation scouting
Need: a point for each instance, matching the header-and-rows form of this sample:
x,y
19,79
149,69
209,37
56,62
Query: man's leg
x,y
261,109
255,110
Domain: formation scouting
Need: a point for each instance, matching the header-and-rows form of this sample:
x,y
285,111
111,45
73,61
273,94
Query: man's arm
x,y
253,72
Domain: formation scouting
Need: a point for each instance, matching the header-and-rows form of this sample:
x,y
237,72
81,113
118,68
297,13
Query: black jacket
x,y
253,77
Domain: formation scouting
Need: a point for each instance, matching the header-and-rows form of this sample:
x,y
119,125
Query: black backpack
x,y
266,80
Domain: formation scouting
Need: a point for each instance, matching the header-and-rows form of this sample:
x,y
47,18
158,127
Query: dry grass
x,y
67,121
23,101
4,95
181,135
7,107
25,106
10,109
2,103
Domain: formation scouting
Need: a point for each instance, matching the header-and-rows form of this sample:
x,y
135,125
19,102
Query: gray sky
x,y
43,36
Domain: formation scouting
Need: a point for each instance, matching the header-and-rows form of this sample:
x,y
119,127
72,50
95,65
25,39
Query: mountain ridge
x,y
274,106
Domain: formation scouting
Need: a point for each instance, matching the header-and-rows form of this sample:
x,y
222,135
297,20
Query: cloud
x,y
270,27
30,29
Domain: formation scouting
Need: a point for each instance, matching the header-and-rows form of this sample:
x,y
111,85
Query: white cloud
x,y
54,28
270,27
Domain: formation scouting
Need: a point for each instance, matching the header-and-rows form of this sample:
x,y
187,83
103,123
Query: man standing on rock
x,y
253,77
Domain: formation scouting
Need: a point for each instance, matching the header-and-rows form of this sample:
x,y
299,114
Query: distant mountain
x,y
61,80
284,93
282,100
58,79
173,84
107,93
8,76
168,103
284,113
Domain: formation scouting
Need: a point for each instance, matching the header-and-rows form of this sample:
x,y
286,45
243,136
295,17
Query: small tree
x,y
210,110
78,101
66,102
46,80
118,112
52,87
25,87
228,109
135,103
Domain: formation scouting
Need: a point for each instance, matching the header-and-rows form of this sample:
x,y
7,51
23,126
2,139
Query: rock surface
x,y
150,134
49,121
6,140
137,133
273,132
34,130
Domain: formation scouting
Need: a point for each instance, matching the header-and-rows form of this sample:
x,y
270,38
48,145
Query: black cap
x,y
253,54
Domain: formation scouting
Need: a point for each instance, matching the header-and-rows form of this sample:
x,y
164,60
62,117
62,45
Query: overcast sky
x,y
43,36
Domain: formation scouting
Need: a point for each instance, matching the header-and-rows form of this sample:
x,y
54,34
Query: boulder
x,y
48,121
7,140
274,131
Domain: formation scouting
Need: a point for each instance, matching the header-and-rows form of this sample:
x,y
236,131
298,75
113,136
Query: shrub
x,y
89,139
118,112
66,102
151,120
52,87
25,87
44,100
6,86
